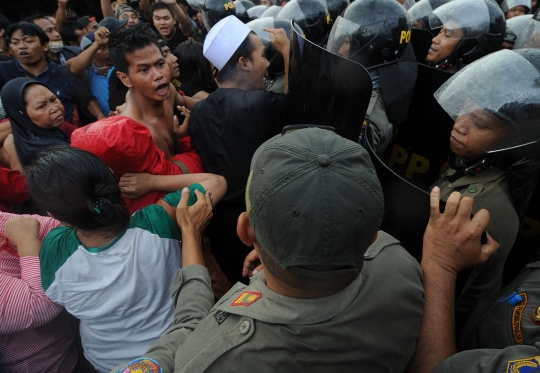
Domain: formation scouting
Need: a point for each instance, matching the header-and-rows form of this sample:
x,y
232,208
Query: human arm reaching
x,y
452,242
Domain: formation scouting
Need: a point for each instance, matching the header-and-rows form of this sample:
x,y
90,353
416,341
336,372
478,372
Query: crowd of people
x,y
175,198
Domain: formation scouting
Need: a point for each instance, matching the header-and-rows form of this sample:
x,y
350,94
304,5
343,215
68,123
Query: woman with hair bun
x,y
109,269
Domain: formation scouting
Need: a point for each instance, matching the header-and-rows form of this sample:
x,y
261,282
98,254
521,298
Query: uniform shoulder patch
x,y
528,365
142,365
517,315
247,298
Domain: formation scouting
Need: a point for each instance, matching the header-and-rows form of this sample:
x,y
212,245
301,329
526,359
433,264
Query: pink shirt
x,y
33,336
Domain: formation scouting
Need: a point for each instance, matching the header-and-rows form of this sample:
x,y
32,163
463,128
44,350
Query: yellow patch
x,y
528,365
405,36
229,5
328,19
247,298
517,314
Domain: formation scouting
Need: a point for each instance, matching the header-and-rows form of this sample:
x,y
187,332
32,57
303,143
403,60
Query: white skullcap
x,y
223,40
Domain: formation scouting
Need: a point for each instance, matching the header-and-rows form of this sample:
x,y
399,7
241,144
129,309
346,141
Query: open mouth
x,y
162,89
24,54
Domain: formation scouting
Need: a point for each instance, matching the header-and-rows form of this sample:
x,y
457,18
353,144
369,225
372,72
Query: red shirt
x,y
127,147
34,337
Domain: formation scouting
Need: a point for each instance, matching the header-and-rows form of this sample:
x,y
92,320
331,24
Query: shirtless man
x,y
144,138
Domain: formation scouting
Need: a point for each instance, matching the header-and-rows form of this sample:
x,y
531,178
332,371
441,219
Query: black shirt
x,y
226,130
177,39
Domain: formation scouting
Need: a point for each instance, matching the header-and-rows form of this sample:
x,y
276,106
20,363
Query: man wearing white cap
x,y
229,125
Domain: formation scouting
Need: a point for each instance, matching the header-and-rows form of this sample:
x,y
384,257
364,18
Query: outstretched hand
x,y
135,185
452,238
280,40
196,217
181,130
252,264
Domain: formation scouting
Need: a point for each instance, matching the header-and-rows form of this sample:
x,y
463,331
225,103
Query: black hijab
x,y
29,138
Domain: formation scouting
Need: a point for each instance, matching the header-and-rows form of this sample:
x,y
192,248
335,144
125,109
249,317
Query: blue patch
x,y
529,365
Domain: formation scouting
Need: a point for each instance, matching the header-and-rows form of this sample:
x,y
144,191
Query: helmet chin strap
x,y
468,168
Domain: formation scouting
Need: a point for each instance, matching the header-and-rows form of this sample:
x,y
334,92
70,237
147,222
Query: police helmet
x,y
508,106
311,15
213,11
371,32
478,25
257,11
529,34
506,5
241,8
336,8
272,11
419,12
277,64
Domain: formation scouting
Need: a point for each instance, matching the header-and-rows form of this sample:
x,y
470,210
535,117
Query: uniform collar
x,y
274,308
485,176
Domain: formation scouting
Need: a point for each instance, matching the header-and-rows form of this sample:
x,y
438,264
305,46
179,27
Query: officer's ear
x,y
244,231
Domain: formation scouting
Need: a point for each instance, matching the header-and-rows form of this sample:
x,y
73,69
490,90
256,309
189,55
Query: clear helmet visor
x,y
256,11
495,102
529,36
196,4
419,14
351,40
467,19
506,5
518,23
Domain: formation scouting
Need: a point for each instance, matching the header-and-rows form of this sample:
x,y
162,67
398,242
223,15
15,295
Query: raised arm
x,y
451,243
61,13
106,8
78,65
146,9
281,43
183,21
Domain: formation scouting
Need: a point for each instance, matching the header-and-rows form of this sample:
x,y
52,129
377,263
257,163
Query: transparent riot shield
x,y
326,89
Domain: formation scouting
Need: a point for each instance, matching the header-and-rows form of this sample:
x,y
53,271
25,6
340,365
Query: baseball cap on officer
x,y
223,40
313,199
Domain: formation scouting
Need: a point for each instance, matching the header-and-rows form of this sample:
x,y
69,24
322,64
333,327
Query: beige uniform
x,y
371,325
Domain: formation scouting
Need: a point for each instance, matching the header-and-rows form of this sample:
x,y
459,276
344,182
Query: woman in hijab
x,y
36,116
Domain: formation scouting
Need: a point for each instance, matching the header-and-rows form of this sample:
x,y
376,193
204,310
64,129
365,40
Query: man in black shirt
x,y
232,122
170,21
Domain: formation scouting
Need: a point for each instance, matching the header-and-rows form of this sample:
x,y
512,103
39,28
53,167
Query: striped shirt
x,y
33,337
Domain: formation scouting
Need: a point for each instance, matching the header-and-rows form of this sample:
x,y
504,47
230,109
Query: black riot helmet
x,y
277,64
213,11
241,7
371,32
256,11
419,12
479,26
311,15
336,8
272,11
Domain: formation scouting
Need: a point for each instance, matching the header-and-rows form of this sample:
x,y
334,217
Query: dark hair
x,y
194,68
229,70
78,189
67,31
4,22
128,40
29,29
160,5
33,17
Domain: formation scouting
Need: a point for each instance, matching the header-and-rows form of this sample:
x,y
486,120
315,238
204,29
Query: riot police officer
x,y
311,15
466,31
376,33
213,10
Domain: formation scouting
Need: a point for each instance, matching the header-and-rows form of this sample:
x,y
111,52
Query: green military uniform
x,y
490,191
371,325
503,332
380,131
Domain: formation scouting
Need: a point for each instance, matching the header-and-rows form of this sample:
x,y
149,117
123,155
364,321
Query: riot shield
x,y
420,146
421,40
326,89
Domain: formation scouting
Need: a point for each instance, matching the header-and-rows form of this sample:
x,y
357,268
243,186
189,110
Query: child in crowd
x,y
107,268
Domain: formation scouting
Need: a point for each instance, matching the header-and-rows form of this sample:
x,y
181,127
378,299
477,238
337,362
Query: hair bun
x,y
106,191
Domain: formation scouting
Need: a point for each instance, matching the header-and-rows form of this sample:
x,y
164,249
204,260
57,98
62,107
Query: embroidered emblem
x,y
247,298
142,365
528,365
516,318
221,316
535,316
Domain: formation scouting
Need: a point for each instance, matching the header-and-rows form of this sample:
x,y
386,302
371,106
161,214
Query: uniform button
x,y
473,189
244,327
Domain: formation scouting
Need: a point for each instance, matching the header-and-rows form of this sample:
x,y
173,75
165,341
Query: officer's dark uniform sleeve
x,y
514,359
81,94
273,106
